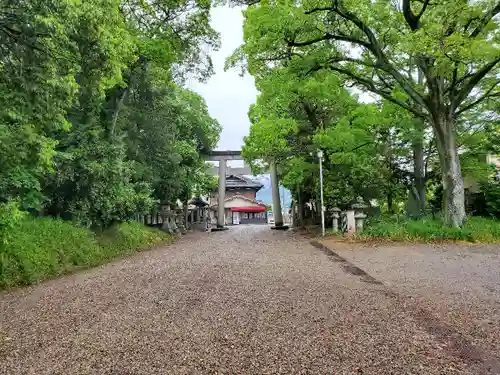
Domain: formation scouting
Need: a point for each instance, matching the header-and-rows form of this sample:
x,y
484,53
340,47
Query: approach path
x,y
245,301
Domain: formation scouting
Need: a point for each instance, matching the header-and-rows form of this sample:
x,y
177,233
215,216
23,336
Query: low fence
x,y
151,220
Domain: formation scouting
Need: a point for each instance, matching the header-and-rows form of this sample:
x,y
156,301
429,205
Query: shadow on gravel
x,y
346,265
454,342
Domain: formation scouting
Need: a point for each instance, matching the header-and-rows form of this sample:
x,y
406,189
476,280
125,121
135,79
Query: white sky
x,y
228,95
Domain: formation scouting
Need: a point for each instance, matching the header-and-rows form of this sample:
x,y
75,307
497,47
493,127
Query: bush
x,y
476,229
42,248
127,238
491,190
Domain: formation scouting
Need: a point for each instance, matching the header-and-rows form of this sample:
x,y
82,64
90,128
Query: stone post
x,y
166,226
173,224
186,216
180,222
351,223
278,217
359,217
335,220
208,221
222,192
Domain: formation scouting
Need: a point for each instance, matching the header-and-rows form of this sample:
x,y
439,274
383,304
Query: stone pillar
x,y
222,192
335,220
173,225
166,215
278,217
181,226
359,217
350,221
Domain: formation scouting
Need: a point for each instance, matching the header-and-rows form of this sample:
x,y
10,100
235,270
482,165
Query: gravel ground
x,y
460,284
245,301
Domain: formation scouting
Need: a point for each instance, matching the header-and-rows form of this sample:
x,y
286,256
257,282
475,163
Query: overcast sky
x,y
228,95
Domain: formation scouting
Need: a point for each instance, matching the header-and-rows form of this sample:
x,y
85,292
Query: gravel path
x,y
460,284
245,301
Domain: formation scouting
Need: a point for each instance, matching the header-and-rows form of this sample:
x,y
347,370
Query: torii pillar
x,y
221,196
278,216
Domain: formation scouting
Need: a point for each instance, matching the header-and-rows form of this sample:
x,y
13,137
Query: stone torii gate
x,y
222,157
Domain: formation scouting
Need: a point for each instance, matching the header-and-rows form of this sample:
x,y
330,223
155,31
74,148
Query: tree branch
x,y
292,43
314,10
382,60
424,7
474,80
410,18
353,149
486,95
370,85
484,21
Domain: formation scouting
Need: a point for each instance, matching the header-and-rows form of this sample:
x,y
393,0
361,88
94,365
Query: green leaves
x,y
92,126
267,139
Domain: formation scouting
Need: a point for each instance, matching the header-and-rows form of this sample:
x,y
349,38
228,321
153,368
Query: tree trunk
x,y
118,105
419,168
301,209
186,212
451,171
390,203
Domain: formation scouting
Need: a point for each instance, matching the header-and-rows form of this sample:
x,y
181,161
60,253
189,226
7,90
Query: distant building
x,y
240,205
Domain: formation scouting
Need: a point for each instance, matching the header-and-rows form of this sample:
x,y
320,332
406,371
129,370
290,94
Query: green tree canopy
x,y
383,47
95,123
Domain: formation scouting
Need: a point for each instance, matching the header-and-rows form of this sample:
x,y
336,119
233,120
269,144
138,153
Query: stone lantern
x,y
359,215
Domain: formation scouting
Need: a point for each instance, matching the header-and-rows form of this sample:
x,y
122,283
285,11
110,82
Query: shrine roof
x,y
238,181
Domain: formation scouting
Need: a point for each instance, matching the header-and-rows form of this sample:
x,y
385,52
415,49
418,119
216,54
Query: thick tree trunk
x,y
419,168
451,171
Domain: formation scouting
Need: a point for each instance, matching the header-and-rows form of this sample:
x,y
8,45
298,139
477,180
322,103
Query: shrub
x,y
129,237
41,248
491,190
10,215
476,229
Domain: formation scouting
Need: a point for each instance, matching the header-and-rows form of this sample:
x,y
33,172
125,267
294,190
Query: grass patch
x,y
41,248
476,229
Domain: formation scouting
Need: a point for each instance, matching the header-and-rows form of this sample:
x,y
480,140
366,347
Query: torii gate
x,y
222,157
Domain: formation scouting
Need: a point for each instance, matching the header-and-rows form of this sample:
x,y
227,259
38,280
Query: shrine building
x,y
240,204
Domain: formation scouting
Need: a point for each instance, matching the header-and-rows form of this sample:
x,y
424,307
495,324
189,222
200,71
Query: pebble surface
x,y
245,301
